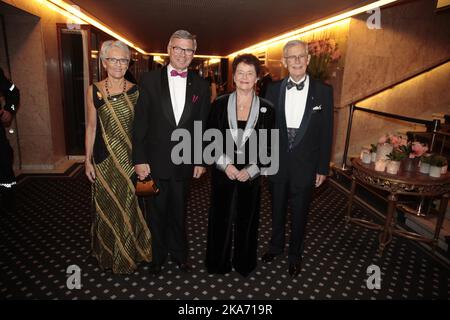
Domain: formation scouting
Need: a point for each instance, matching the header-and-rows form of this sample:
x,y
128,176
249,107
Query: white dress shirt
x,y
295,104
177,87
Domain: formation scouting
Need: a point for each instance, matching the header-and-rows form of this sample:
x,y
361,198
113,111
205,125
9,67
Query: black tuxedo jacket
x,y
311,152
154,122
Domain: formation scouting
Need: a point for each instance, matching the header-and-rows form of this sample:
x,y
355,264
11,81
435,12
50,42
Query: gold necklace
x,y
107,90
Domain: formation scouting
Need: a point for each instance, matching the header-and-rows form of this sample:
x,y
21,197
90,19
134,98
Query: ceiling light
x,y
312,27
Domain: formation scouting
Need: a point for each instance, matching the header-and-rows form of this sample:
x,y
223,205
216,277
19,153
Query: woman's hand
x,y
142,170
231,172
90,171
243,175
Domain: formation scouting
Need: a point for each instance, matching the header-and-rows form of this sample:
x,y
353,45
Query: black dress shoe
x,y
268,257
295,268
185,267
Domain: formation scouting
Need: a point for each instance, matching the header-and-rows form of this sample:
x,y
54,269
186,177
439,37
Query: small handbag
x,y
146,187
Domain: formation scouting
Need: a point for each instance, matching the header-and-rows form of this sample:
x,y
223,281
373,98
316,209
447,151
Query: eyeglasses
x,y
293,59
178,50
121,61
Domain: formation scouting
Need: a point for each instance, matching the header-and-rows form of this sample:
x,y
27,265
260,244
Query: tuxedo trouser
x,y
7,178
166,218
299,198
6,160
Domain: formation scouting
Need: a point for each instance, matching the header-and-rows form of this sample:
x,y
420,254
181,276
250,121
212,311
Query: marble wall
x,y
413,38
28,71
33,51
419,98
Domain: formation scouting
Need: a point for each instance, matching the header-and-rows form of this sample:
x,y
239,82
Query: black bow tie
x,y
291,84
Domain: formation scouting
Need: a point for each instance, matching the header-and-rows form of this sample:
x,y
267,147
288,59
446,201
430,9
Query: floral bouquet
x,y
324,53
395,140
387,143
414,149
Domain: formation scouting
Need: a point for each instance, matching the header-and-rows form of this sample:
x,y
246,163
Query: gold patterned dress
x,y
120,236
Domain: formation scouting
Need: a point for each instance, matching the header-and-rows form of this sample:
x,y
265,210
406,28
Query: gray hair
x,y
114,44
183,34
294,43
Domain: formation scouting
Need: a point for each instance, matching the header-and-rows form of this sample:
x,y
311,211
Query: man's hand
x,y
243,175
320,178
5,117
231,172
198,171
142,170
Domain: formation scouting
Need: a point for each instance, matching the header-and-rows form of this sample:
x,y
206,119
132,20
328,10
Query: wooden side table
x,y
407,183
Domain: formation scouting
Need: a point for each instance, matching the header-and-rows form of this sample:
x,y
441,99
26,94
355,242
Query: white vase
x,y
383,150
380,165
424,167
366,157
392,167
373,156
444,169
435,171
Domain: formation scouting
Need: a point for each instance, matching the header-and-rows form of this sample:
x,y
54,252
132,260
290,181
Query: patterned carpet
x,y
50,232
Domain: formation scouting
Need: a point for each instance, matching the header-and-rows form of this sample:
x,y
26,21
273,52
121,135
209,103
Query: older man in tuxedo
x,y
304,113
170,98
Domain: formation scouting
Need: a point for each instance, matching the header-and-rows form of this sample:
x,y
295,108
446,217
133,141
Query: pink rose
x,y
395,140
336,55
418,149
382,140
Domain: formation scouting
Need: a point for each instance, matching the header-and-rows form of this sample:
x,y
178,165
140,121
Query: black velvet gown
x,y
235,206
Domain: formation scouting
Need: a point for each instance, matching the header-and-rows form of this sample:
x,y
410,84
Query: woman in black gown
x,y
235,199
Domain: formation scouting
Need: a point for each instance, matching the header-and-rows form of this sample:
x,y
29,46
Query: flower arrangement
x,y
438,165
395,140
324,53
414,149
426,158
437,160
397,147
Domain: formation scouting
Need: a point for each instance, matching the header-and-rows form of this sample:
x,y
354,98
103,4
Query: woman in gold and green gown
x,y
120,237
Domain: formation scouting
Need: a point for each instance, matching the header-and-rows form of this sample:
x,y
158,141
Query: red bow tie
x,y
175,73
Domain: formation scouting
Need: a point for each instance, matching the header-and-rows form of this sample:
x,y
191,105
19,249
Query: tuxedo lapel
x,y
307,114
233,122
281,112
189,98
166,102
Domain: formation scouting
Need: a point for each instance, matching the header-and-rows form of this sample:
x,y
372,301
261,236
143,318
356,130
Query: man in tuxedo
x,y
11,96
304,113
169,98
